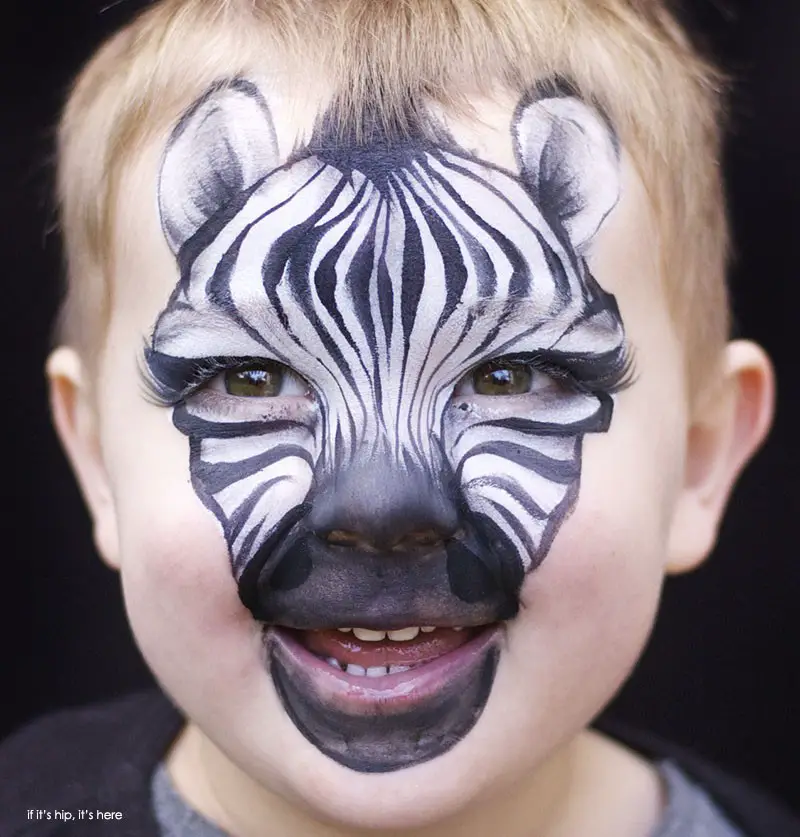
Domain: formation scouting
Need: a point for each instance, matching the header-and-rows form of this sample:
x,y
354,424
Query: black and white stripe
x,y
382,274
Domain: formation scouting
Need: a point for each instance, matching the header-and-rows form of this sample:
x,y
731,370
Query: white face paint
x,y
420,348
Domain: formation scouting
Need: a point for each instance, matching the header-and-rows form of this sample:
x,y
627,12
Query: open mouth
x,y
377,700
364,652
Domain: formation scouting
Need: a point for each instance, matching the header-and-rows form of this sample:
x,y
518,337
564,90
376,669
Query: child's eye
x,y
504,377
260,379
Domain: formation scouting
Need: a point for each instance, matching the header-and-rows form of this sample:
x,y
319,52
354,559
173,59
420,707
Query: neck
x,y
589,786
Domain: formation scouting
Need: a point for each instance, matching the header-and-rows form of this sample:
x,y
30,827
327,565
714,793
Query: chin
x,y
424,794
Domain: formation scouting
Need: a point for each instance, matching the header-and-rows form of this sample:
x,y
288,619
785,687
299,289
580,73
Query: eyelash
x,y
186,376
605,376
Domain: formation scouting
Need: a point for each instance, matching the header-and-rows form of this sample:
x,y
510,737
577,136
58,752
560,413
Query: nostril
x,y
415,540
341,537
385,541
383,506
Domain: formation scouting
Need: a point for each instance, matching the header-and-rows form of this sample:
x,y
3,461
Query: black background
x,y
720,673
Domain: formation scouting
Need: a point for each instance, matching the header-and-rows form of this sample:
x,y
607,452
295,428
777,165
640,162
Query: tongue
x,y
348,649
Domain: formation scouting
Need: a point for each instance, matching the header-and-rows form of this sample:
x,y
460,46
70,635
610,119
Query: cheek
x,y
588,609
179,590
181,597
593,600
585,616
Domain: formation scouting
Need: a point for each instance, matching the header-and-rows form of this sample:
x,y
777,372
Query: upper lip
x,y
394,624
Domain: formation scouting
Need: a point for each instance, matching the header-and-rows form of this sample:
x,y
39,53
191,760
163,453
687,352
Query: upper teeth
x,y
400,635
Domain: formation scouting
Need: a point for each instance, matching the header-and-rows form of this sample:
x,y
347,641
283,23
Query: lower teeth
x,y
372,671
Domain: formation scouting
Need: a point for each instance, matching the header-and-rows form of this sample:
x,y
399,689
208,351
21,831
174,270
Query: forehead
x,y
626,244
481,126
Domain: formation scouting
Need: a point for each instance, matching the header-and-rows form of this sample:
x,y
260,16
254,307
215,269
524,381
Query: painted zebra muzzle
x,y
305,583
386,546
311,581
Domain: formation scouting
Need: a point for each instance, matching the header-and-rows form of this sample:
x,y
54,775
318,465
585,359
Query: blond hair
x,y
386,57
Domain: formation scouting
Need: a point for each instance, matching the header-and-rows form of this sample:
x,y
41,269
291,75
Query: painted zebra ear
x,y
222,146
569,158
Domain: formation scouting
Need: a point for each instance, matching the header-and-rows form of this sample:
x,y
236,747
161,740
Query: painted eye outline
x,y
562,375
168,381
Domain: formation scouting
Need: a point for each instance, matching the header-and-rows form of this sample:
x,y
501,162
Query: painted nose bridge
x,y
382,505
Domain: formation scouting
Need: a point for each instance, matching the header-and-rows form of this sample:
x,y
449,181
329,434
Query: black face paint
x,y
381,741
377,486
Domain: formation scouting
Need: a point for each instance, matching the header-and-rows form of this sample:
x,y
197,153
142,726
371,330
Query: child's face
x,y
414,416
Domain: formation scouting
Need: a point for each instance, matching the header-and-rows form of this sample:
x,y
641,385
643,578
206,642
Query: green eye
x,y
264,380
502,379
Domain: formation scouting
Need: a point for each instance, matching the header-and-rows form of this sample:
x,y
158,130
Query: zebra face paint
x,y
385,358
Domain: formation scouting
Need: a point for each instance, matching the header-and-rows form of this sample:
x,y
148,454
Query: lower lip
x,y
386,695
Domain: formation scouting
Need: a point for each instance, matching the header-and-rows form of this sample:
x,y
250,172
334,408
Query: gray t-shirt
x,y
689,811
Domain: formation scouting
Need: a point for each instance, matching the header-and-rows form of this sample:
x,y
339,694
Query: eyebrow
x,y
509,305
250,307
528,308
219,315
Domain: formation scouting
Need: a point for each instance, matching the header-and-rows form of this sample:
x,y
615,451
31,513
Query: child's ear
x,y
724,433
75,420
